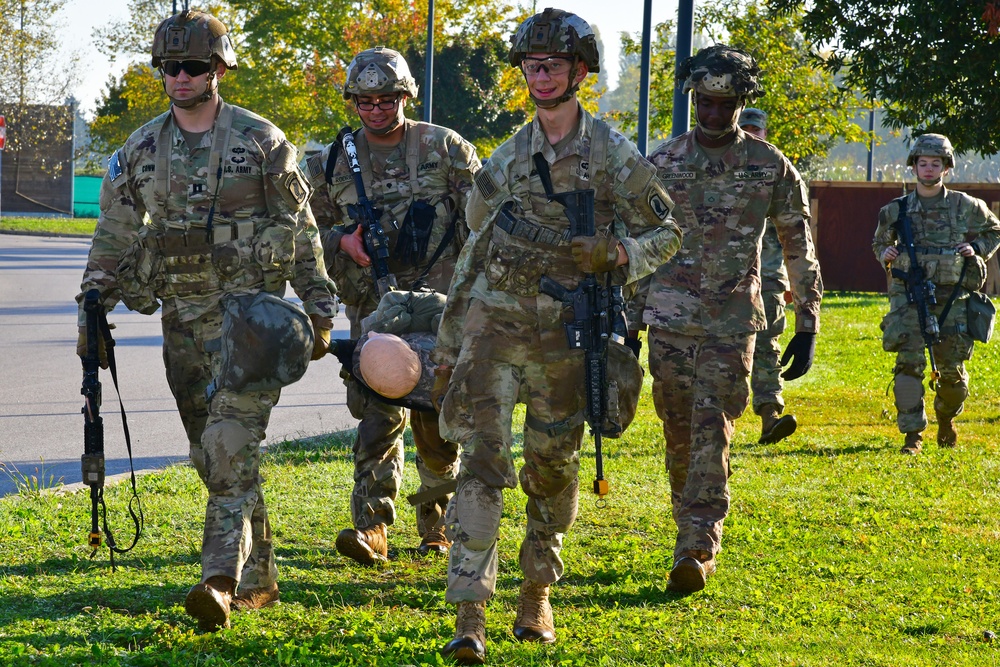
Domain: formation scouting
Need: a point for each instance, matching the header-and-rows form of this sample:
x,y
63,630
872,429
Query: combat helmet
x,y
379,71
193,35
555,31
267,343
932,145
721,70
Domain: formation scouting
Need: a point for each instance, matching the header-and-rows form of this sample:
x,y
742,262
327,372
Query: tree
x,y
932,63
293,54
35,81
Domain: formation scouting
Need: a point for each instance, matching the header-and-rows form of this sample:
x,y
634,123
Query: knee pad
x,y
908,392
477,510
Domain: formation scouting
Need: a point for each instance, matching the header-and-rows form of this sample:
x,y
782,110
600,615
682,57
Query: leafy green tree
x,y
36,81
932,63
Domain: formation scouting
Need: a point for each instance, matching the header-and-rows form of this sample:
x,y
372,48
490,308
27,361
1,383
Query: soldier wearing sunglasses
x,y
204,212
418,176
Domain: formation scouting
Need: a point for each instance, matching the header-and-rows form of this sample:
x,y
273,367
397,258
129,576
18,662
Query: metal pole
x,y
871,143
685,36
429,78
643,125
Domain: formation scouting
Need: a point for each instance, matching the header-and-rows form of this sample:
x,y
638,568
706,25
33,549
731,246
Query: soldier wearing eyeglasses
x,y
418,175
204,212
502,340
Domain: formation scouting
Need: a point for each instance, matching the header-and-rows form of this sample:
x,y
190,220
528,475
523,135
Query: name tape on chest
x,y
676,175
754,175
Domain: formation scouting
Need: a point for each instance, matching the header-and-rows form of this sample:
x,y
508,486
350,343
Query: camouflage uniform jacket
x,y
444,164
941,226
713,285
502,267
773,275
159,201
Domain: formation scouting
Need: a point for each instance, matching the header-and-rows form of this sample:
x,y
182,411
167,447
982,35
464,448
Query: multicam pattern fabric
x,y
155,201
765,380
508,345
713,285
444,164
704,307
939,224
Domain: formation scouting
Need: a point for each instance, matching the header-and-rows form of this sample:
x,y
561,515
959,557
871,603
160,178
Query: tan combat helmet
x,y
193,35
389,366
379,71
555,31
932,145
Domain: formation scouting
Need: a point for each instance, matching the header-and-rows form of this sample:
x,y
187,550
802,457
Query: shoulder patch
x,y
658,205
486,184
115,170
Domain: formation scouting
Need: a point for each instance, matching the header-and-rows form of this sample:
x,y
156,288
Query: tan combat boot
x,y
469,645
368,546
773,427
257,598
691,571
209,601
534,614
912,444
947,434
434,542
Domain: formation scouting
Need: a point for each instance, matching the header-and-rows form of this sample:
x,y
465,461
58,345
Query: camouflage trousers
x,y
765,379
502,363
224,437
950,355
378,456
700,387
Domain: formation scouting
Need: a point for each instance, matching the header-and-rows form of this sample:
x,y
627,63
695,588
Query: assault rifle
x,y
367,217
92,461
597,314
920,291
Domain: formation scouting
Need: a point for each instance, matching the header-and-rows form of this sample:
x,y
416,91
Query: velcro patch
x,y
754,175
676,175
115,170
297,188
658,205
486,184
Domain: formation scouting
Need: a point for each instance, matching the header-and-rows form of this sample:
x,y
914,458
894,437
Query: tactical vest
x,y
531,235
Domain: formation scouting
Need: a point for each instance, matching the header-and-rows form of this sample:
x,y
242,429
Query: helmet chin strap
x,y
718,134
396,122
194,102
927,183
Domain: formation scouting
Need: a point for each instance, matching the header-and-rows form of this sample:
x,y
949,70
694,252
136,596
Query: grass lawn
x,y
838,551
60,226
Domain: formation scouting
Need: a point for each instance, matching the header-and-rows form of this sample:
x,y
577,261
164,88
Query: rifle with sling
x,y
365,215
92,461
598,313
920,291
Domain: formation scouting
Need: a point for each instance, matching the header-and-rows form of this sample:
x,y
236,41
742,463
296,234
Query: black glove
x,y
801,350
343,349
634,344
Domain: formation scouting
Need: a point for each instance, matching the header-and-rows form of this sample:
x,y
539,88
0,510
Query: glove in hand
x,y
81,346
321,334
801,350
595,254
442,377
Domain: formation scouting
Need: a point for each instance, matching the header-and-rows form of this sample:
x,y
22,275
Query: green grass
x,y
60,226
838,551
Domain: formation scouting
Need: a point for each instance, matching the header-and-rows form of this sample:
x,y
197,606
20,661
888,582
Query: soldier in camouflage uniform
x,y
502,342
954,236
765,378
202,210
704,307
419,176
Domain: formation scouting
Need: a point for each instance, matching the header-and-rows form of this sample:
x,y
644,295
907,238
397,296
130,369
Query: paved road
x,y
41,428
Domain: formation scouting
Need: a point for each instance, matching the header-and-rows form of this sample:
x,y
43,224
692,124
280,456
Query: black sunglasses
x,y
192,67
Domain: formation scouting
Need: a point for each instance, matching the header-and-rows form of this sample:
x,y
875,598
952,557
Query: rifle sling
x,y
137,520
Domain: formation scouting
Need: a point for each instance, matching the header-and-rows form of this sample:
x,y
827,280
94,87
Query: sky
x,y
79,19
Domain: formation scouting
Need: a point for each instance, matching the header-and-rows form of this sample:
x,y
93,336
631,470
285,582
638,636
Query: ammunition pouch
x,y
517,259
415,234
